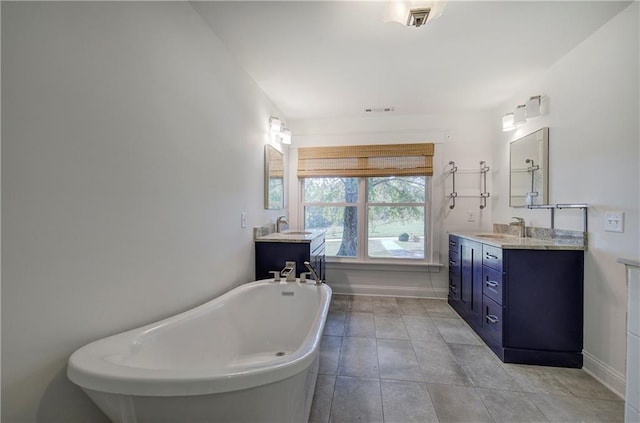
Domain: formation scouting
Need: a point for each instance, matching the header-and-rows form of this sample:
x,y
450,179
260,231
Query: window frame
x,y
362,207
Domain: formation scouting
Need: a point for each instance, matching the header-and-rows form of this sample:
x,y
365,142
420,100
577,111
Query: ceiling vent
x,y
379,109
418,17
414,13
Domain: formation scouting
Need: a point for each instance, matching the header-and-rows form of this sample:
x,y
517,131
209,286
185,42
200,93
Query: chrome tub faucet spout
x,y
313,273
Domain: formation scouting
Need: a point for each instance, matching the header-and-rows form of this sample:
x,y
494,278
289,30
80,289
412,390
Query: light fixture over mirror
x,y
519,116
277,128
413,13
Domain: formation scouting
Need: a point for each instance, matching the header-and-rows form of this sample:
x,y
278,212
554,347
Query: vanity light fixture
x,y
530,109
413,13
519,115
277,128
507,122
275,125
532,106
285,136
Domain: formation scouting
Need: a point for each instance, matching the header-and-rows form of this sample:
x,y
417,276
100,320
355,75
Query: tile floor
x,y
385,359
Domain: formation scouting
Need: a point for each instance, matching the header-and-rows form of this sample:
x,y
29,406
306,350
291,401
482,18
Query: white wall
x,y
462,138
131,143
592,95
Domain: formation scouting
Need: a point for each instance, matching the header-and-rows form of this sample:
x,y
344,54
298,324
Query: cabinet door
x,y
471,280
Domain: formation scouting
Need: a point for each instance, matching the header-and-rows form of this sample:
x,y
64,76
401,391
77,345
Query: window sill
x,y
384,265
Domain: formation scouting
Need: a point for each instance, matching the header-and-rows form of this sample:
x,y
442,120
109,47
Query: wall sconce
x,y
275,125
277,128
519,115
533,106
507,122
285,136
530,109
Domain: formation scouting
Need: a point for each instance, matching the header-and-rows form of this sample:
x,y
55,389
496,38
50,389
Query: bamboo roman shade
x,y
366,160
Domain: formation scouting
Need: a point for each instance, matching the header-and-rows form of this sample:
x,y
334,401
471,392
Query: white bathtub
x,y
250,355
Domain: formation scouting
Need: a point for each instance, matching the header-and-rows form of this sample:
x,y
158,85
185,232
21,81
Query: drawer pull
x,y
492,284
452,288
452,263
492,257
492,319
452,243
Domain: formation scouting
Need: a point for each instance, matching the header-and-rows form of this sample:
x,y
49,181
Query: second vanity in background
x,y
523,296
273,250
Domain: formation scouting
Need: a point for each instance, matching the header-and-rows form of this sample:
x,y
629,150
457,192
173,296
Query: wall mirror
x,y
273,179
529,170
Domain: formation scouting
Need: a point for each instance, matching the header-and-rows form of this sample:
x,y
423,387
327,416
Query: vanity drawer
x,y
492,257
492,319
454,242
454,285
454,262
492,284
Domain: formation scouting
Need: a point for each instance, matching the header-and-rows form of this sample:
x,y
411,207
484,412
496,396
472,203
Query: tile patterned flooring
x,y
386,359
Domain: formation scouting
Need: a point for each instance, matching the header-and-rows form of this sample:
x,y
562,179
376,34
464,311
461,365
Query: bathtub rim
x,y
88,368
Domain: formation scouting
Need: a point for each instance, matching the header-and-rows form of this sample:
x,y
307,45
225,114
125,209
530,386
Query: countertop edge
x,y
291,238
522,243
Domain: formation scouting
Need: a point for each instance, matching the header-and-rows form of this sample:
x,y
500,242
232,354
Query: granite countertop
x,y
292,235
513,242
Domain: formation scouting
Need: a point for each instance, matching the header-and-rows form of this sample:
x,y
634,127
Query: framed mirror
x,y
529,169
273,179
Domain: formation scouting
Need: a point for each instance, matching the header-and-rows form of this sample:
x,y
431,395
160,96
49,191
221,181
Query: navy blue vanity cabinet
x,y
272,255
531,303
466,294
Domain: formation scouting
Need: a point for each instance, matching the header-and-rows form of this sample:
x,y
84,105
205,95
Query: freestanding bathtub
x,y
250,355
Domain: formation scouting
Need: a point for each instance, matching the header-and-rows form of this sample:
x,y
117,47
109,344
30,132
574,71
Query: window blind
x,y
366,160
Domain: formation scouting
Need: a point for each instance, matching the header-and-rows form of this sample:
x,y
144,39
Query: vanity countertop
x,y
513,242
292,235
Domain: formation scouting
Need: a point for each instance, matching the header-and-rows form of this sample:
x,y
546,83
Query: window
x,y
370,199
389,222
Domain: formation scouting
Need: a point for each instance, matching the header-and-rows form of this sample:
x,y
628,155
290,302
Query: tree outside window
x,y
394,210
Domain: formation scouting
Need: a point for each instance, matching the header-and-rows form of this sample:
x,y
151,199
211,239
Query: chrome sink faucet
x,y
282,224
522,232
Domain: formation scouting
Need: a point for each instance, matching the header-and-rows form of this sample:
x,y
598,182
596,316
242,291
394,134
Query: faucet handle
x,y
276,275
303,276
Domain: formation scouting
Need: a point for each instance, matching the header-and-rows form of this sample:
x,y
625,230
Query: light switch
x,y
243,219
614,221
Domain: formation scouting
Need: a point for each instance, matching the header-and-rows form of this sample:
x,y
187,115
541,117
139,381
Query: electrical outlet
x,y
471,216
614,221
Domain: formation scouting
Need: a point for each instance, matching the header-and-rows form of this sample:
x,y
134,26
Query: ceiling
x,y
325,59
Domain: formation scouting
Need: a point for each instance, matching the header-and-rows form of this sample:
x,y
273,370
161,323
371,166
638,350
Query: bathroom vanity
x,y
273,250
522,296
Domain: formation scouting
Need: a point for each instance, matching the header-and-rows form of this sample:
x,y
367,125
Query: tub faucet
x,y
313,273
282,224
522,232
289,271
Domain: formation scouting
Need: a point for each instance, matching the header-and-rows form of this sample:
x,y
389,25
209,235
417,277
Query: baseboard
x,y
389,290
608,376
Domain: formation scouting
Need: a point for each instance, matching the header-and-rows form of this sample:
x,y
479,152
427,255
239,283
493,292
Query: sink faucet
x,y
522,232
282,224
313,273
